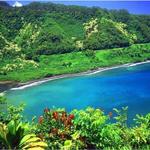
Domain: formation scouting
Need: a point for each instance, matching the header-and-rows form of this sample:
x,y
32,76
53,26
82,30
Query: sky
x,y
134,7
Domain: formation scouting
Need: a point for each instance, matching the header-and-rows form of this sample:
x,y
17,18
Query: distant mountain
x,y
4,4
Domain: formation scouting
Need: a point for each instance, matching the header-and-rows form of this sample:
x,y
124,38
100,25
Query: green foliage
x,y
14,113
92,129
52,38
2,100
121,117
18,64
27,36
81,129
89,122
56,127
75,62
3,107
67,64
105,33
140,119
91,27
53,28
14,136
89,53
10,112
141,133
29,33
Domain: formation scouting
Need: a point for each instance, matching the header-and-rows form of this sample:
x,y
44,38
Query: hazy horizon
x,y
134,7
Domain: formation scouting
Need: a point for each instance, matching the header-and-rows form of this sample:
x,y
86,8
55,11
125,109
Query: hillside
x,y
53,28
30,32
108,110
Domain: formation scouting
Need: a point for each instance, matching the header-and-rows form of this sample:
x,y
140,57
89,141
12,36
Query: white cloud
x,y
17,4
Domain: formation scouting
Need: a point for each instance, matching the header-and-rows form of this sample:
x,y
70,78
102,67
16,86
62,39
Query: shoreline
x,y
20,86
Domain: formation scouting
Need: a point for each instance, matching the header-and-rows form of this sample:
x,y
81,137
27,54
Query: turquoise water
x,y
125,86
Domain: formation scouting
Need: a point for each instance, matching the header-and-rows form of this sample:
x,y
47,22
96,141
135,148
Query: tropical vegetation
x,y
20,69
45,39
80,129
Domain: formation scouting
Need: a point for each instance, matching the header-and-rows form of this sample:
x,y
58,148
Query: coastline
x,y
20,86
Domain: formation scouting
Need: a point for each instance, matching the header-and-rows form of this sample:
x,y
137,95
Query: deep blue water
x,y
125,86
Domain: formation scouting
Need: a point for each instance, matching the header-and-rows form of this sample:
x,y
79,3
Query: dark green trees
x,y
107,34
47,28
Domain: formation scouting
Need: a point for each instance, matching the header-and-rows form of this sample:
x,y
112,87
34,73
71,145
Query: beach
x,y
18,85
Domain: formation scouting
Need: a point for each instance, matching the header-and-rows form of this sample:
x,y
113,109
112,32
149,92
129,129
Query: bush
x,y
92,129
89,53
56,127
81,129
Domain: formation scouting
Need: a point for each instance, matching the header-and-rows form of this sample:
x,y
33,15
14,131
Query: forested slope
x,y
28,32
53,28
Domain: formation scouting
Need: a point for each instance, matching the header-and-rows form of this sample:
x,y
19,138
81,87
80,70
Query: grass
x,y
76,62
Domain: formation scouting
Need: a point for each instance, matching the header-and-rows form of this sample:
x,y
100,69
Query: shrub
x,y
15,135
56,127
80,129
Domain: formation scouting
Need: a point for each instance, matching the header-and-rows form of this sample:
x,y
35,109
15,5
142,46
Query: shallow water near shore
x,y
115,88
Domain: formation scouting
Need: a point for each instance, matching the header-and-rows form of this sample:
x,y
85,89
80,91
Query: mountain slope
x,y
47,28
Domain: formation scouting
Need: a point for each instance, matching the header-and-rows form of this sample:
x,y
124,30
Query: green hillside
x,y
23,70
43,40
29,33
54,28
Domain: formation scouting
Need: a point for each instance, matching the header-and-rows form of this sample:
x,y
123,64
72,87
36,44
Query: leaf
x,y
68,143
76,135
35,144
116,110
11,127
27,137
35,148
33,139
3,133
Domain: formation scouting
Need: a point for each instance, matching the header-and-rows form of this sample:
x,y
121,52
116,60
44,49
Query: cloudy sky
x,y
135,7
